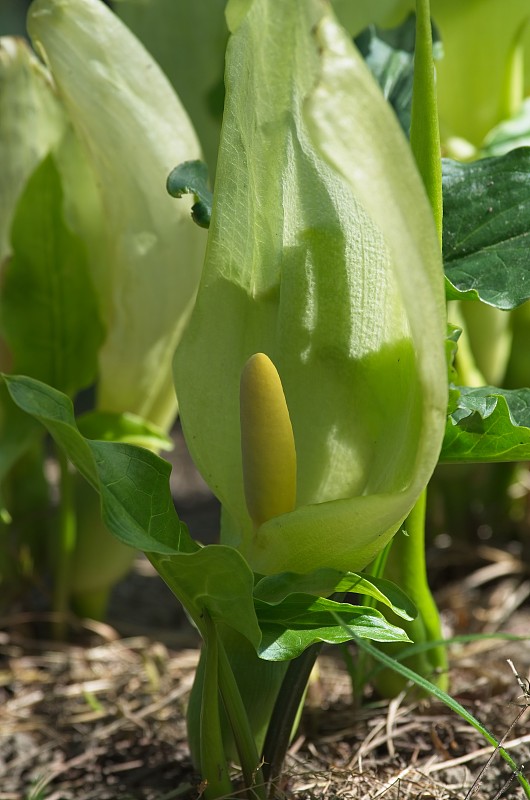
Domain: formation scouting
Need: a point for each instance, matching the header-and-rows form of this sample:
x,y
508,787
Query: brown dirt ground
x,y
102,717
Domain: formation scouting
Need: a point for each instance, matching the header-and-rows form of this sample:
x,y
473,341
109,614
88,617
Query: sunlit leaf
x,y
324,582
488,424
300,620
486,231
124,427
133,483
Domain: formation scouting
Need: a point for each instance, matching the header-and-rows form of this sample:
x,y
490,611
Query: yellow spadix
x,y
267,442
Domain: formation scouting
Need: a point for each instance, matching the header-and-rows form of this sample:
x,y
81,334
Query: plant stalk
x,y
424,127
213,760
407,568
285,712
237,715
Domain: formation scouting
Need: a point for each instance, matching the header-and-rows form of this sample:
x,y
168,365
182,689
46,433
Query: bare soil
x,y
102,717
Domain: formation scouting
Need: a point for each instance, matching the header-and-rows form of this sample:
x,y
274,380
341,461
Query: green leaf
x,y
191,177
48,304
488,424
300,620
133,483
387,593
392,65
486,229
275,589
215,578
112,427
389,54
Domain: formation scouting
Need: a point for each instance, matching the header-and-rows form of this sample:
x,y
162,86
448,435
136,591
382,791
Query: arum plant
x,y
312,382
290,286
312,377
124,261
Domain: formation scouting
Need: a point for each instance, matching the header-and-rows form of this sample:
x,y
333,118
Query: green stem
x,y
407,568
66,541
240,725
213,761
415,577
285,712
424,128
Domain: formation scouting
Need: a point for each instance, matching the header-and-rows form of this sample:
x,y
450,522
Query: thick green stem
x,y
66,540
407,568
285,712
213,761
414,573
424,128
239,722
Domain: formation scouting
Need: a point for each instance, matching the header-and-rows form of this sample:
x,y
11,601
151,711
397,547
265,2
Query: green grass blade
x,y
454,705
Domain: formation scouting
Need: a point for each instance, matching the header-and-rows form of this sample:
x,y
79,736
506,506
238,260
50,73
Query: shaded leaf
x,y
133,130
486,229
191,177
32,122
18,431
389,54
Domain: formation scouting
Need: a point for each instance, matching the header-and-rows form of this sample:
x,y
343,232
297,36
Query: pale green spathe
x,y
134,131
323,255
31,123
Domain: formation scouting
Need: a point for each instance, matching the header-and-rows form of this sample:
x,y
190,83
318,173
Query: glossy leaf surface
x,y
324,582
486,233
300,620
